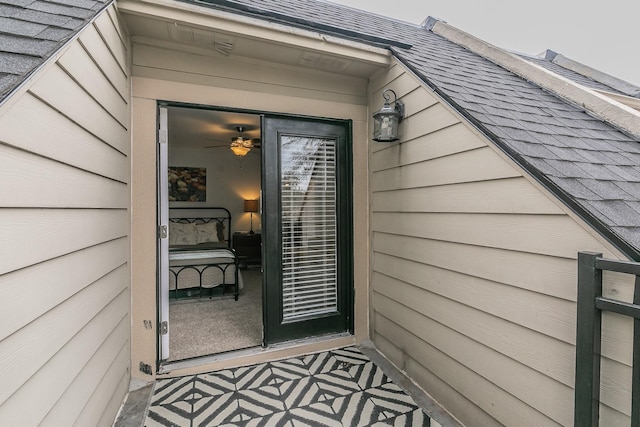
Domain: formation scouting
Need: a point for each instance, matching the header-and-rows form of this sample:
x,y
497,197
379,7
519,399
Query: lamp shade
x,y
251,205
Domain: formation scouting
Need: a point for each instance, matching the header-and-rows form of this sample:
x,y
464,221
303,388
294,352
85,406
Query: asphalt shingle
x,y
576,188
62,10
16,64
606,190
20,28
28,47
32,30
41,18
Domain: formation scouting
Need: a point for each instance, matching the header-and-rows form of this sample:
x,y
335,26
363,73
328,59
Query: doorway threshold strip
x,y
334,388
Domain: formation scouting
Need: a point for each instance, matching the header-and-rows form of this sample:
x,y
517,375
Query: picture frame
x,y
187,184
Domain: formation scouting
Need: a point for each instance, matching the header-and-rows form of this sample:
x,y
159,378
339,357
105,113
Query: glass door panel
x,y
307,228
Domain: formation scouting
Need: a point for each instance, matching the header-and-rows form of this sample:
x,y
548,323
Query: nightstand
x,y
248,248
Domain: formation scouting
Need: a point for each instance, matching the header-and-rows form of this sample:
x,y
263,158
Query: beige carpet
x,y
200,327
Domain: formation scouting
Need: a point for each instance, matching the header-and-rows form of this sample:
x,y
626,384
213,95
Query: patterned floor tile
x,y
416,418
389,402
321,363
261,401
291,369
368,375
178,414
317,414
352,409
217,382
279,419
336,383
391,394
172,390
350,356
215,411
335,388
254,376
301,392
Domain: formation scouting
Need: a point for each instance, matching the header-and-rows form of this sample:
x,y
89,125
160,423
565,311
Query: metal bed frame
x,y
201,260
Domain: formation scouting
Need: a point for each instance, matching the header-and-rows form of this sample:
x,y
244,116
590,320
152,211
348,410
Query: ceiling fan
x,y
239,144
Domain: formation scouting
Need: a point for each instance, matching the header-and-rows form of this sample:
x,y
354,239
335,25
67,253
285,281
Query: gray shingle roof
x,y
32,30
591,165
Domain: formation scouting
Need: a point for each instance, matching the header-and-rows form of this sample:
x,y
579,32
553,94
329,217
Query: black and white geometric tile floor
x,y
334,388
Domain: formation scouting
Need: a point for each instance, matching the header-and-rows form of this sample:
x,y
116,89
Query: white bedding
x,y
218,266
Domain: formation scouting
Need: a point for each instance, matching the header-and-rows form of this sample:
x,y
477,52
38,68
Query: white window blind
x,y
309,229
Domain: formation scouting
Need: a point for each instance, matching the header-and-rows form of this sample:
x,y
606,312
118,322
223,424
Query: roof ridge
x,y
606,109
616,83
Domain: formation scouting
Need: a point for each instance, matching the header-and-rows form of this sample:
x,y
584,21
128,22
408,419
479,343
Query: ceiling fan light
x,y
239,149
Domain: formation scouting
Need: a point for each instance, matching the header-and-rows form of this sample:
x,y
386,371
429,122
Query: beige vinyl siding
x,y
473,281
250,76
64,227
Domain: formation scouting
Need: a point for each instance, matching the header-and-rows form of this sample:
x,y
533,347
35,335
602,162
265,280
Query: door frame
x,y
346,240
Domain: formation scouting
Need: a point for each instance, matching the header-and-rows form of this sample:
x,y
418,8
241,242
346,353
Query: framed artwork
x,y
187,184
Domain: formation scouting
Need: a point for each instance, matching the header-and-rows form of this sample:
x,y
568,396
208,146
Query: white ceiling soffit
x,y
200,38
172,24
323,62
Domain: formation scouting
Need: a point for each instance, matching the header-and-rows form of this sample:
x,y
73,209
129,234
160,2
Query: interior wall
x,y
230,181
193,79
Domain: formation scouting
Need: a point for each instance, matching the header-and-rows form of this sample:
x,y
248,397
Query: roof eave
x,y
299,23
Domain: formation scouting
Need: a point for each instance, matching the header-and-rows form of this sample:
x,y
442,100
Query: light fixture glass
x,y
239,150
239,145
386,121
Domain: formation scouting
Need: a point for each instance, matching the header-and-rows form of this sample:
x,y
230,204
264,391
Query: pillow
x,y
220,231
206,233
182,234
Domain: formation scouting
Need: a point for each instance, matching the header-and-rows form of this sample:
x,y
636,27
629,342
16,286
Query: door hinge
x,y
162,232
164,328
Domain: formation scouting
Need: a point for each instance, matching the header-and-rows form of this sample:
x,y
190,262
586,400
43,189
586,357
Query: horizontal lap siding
x,y
64,227
255,79
474,275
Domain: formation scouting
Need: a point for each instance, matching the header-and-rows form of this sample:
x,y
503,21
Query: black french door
x,y
307,228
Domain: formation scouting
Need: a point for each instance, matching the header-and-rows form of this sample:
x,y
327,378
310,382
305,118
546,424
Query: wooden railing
x,y
591,304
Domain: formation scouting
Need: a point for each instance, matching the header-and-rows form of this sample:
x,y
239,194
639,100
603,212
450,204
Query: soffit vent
x,y
200,38
323,62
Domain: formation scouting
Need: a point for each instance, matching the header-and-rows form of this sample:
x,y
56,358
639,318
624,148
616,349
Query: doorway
x,y
205,186
293,251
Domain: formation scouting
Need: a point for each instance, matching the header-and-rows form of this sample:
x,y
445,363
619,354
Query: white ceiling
x,y
197,128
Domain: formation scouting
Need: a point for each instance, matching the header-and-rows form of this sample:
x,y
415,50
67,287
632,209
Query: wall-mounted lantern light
x,y
387,119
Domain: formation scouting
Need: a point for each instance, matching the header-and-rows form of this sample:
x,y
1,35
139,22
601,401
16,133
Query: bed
x,y
201,260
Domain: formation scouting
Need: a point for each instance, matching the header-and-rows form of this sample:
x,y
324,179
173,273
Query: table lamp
x,y
251,206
